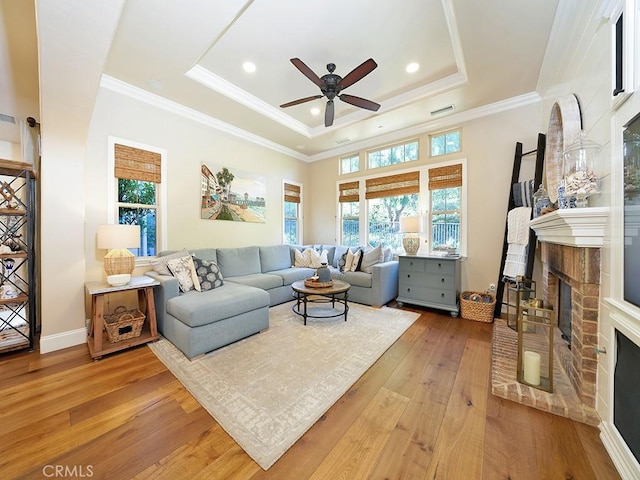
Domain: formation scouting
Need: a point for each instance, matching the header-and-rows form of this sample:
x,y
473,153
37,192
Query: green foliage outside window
x,y
137,206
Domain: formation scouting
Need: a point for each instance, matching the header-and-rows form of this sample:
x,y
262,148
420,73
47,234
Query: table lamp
x,y
410,226
119,262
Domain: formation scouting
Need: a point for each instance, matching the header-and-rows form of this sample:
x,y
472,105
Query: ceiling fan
x,y
332,84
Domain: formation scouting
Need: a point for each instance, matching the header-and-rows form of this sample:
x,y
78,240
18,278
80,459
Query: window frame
x,y
444,134
424,204
300,217
390,147
427,217
350,158
161,193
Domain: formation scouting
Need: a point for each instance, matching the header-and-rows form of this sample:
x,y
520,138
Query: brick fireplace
x,y
570,247
578,267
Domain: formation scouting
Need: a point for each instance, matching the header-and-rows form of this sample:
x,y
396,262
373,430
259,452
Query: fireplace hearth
x,y
570,242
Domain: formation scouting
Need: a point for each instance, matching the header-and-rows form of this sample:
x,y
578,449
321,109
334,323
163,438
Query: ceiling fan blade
x,y
328,114
360,102
299,101
306,71
357,73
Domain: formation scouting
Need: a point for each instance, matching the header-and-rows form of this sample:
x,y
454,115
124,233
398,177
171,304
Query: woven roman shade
x,y
136,164
393,185
445,177
349,192
291,193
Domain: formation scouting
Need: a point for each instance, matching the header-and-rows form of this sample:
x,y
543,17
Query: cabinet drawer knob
x,y
439,265
442,280
408,275
408,290
442,295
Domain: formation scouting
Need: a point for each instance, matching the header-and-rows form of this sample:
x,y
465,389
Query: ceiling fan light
x,y
315,111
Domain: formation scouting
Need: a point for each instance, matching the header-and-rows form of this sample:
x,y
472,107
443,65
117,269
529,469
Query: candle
x,y
532,368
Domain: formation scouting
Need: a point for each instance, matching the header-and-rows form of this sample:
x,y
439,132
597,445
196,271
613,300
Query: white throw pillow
x,y
185,271
352,261
370,258
299,259
314,258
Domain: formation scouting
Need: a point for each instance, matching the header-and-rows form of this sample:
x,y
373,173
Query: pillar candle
x,y
532,368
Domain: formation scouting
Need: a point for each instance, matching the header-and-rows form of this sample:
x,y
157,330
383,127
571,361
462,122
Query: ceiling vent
x,y
7,118
343,140
442,110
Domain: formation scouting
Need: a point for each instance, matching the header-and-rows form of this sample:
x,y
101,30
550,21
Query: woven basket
x,y
123,324
477,306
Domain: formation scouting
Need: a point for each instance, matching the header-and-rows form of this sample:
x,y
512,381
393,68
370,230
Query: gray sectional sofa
x,y
255,278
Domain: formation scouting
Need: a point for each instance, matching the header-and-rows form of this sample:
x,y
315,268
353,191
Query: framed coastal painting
x,y
230,194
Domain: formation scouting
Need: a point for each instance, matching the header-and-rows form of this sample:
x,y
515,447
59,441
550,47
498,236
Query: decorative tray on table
x,y
312,282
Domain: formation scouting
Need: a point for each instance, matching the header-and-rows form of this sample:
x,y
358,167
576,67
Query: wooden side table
x,y
98,343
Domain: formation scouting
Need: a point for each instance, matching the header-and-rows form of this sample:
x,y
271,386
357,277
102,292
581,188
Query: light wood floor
x,y
424,410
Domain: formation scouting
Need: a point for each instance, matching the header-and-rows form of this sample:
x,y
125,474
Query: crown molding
x,y
136,93
139,94
228,89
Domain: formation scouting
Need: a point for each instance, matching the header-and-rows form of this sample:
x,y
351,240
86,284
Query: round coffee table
x,y
336,293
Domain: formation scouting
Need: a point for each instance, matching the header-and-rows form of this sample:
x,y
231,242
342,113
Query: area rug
x,y
267,390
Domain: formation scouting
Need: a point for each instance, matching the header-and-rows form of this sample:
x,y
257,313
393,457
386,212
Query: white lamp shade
x,y
118,236
409,224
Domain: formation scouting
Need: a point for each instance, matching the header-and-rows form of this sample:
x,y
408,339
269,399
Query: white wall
x,y
188,145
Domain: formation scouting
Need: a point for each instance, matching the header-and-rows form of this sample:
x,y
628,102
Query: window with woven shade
x,y
389,198
138,173
349,200
445,192
291,220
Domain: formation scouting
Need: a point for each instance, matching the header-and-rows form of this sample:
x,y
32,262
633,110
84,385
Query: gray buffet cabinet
x,y
430,281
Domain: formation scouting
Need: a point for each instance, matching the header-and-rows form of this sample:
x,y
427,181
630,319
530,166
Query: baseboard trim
x,y
620,454
58,341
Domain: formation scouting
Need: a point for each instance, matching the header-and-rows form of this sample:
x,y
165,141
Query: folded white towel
x,y
516,261
518,225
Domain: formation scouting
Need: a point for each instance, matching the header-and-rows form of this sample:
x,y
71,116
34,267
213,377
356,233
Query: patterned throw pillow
x,y
209,274
160,265
184,270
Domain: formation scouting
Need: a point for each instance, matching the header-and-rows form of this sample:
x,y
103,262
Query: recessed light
x,y
315,111
412,67
249,67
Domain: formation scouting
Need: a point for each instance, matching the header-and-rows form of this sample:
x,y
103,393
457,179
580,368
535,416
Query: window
x,y
388,199
445,188
292,230
445,143
349,164
349,200
393,155
138,191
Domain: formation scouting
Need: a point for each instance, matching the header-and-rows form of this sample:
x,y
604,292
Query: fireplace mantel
x,y
575,227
